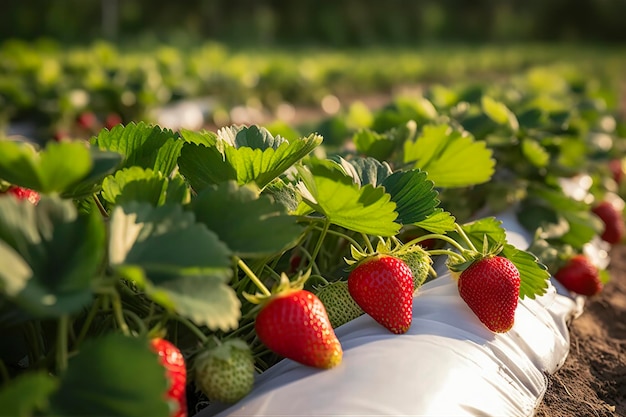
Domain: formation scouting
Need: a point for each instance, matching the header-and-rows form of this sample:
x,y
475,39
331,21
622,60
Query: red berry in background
x,y
382,286
112,120
87,120
174,363
615,165
490,287
614,227
579,275
24,194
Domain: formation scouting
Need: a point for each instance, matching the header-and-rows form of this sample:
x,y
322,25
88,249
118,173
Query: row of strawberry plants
x,y
241,246
71,91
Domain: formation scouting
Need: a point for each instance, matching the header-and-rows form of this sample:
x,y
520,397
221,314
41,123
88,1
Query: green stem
x,y
194,329
118,312
460,231
34,337
318,244
445,238
62,333
140,326
370,248
241,264
446,252
100,206
343,235
88,320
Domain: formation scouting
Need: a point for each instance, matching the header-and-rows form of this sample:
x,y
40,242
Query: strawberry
x,y
613,222
293,323
24,194
419,262
112,120
174,363
382,286
225,373
87,120
340,305
490,287
579,275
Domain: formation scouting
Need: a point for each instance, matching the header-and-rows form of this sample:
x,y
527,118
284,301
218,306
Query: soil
x,y
592,381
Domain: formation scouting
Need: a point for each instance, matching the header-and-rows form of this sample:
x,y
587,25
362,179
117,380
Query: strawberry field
x,y
163,270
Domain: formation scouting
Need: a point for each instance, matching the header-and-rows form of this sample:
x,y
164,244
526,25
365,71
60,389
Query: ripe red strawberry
x,y
174,363
294,324
225,373
87,120
112,120
490,287
579,275
382,286
613,222
24,194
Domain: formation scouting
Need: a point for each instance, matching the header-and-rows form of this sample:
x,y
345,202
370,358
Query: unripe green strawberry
x,y
490,287
419,262
294,324
382,286
174,363
340,305
580,276
225,373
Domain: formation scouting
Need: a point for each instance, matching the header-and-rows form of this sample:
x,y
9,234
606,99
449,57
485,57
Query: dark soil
x,y
592,382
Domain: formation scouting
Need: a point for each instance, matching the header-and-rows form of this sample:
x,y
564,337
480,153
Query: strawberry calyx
x,y
284,287
468,256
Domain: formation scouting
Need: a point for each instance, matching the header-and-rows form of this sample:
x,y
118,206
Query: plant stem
x,y
4,373
252,276
140,326
62,333
118,312
343,235
88,320
187,323
318,244
100,206
445,238
370,248
447,252
460,231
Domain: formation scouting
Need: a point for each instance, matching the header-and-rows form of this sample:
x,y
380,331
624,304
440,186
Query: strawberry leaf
x,y
53,250
142,145
139,184
451,158
361,209
104,163
371,171
181,264
46,171
252,225
438,222
245,154
499,113
535,153
27,394
488,226
414,195
373,144
534,276
132,370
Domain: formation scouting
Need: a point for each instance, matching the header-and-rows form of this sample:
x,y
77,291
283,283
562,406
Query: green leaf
x,y
450,158
204,137
245,154
113,375
27,394
104,163
252,225
183,265
535,153
60,252
139,184
361,209
373,144
204,299
499,113
534,276
370,171
488,226
438,222
583,227
142,145
48,170
414,195
14,279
